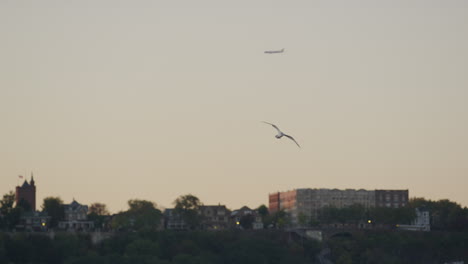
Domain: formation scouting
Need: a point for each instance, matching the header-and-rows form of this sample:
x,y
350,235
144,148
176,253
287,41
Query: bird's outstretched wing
x,y
279,131
288,136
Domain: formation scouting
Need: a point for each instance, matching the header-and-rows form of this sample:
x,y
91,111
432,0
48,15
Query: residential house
x,y
173,220
420,223
33,221
238,215
76,217
214,217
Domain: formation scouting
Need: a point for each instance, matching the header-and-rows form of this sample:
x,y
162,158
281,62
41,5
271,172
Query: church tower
x,y
27,192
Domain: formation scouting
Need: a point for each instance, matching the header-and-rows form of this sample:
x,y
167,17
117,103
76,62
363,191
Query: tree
x,y
262,210
142,247
54,208
141,215
302,219
6,204
277,219
144,214
445,214
264,213
98,209
187,206
98,213
246,221
11,215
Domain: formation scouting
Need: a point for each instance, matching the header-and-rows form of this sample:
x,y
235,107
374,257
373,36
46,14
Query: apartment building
x,y
391,198
308,202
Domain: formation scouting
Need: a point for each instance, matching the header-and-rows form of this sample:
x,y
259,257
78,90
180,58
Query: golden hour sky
x,y
106,100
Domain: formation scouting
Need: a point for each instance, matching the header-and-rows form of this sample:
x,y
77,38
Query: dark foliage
x,y
54,208
359,214
445,214
158,248
232,247
399,247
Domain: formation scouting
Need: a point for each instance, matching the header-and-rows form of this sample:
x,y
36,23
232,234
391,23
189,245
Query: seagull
x,y
281,134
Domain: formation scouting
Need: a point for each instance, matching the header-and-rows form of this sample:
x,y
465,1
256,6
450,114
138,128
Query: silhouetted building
x,y
27,193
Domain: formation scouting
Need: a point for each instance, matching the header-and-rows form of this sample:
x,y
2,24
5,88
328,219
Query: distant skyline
x,y
107,101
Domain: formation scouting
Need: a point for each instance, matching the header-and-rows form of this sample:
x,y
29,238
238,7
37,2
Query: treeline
x,y
233,247
163,247
398,247
445,215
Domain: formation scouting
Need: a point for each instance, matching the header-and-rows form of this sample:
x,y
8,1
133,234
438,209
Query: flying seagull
x,y
281,134
274,51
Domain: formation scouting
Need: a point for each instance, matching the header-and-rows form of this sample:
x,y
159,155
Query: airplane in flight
x,y
274,51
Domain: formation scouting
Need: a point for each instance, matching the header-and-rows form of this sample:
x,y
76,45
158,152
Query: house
x,y
214,217
173,220
420,223
253,218
33,221
76,217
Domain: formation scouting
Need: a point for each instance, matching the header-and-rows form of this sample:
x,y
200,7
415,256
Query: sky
x,y
107,100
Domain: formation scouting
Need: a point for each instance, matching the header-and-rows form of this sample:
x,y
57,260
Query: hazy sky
x,y
107,101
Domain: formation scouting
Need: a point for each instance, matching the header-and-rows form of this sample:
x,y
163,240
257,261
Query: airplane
x,y
274,51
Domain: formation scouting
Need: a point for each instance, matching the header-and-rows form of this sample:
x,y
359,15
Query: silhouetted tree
x,y
302,219
187,206
246,221
263,212
98,209
141,215
444,214
98,213
54,208
279,219
10,214
7,202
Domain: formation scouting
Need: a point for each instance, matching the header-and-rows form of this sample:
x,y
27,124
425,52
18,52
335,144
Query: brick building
x,y
27,193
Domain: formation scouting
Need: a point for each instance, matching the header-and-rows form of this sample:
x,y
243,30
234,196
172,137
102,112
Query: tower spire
x,y
32,179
